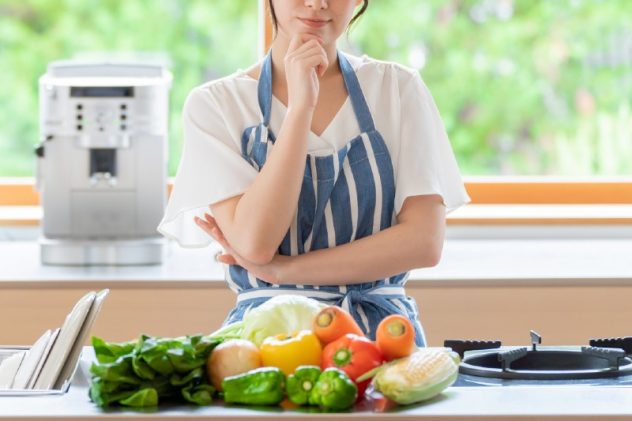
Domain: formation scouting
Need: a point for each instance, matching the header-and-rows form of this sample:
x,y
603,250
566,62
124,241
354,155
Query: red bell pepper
x,y
353,354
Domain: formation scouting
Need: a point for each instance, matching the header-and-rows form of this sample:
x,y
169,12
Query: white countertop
x,y
464,262
541,402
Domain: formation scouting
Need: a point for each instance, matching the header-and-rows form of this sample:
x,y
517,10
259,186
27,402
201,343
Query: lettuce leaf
x,y
281,314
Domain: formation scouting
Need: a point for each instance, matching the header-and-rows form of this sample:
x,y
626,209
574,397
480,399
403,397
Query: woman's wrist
x,y
284,268
300,111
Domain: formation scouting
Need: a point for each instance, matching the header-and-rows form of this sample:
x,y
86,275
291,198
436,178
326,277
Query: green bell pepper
x,y
334,390
301,383
261,386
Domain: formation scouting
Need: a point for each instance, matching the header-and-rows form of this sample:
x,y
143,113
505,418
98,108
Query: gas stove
x,y
605,362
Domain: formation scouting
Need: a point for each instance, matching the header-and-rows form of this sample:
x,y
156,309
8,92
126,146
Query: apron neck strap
x,y
264,88
360,107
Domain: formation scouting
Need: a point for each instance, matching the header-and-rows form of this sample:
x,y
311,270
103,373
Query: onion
x,y
232,357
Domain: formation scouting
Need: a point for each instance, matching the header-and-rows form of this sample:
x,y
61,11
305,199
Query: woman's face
x,y
326,18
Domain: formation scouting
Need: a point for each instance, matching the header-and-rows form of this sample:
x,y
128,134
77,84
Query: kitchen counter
x,y
464,262
456,403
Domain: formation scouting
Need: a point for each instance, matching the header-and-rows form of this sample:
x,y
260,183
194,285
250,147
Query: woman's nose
x,y
317,4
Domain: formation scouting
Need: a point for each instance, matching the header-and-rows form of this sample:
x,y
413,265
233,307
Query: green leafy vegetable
x,y
140,374
142,398
202,394
109,352
231,331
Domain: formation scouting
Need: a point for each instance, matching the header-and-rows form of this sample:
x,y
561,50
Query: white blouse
x,y
216,113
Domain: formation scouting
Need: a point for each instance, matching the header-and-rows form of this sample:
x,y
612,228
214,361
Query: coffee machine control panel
x,y
110,114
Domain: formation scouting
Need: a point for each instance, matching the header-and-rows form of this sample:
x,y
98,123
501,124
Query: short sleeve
x,y
425,163
211,169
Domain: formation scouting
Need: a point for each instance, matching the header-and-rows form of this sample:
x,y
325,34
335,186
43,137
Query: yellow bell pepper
x,y
287,352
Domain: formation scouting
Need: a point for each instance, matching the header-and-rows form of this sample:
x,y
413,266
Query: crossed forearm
x,y
389,252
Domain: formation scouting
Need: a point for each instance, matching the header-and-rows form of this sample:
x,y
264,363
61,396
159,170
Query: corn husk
x,y
418,377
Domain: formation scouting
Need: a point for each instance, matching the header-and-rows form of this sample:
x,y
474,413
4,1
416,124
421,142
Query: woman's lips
x,y
314,23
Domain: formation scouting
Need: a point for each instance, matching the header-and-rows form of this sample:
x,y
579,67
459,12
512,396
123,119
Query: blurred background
x,y
525,87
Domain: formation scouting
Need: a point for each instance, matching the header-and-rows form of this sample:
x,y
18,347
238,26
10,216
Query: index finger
x,y
301,38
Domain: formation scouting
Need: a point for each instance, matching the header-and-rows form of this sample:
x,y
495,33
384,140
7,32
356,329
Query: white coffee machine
x,y
102,162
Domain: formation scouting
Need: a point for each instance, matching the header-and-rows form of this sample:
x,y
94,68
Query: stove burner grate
x,y
611,358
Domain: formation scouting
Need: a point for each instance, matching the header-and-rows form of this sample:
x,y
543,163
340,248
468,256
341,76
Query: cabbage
x,y
280,314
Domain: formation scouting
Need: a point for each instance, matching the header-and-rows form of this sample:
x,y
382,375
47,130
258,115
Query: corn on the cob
x,y
421,376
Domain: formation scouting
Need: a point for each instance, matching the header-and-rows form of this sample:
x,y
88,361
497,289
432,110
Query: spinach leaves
x,y
142,373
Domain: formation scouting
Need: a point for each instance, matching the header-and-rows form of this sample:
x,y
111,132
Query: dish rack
x,y
8,350
47,367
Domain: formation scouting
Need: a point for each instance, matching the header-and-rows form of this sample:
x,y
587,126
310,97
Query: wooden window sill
x,y
467,215
521,214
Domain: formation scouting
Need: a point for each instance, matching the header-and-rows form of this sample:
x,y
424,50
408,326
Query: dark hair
x,y
365,4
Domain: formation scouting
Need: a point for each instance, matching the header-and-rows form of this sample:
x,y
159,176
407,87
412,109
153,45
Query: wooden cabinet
x,y
561,314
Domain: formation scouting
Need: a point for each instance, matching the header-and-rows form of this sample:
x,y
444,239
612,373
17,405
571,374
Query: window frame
x,y
525,190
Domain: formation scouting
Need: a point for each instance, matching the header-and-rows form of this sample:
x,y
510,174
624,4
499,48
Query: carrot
x,y
333,322
395,337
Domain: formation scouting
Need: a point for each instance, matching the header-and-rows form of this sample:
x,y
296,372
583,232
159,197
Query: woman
x,y
326,175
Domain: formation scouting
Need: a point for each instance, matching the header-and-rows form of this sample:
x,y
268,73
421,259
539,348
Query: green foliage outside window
x,y
203,39
525,87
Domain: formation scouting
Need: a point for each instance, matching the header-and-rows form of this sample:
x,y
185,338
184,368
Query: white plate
x,y
30,362
8,368
45,354
66,339
70,364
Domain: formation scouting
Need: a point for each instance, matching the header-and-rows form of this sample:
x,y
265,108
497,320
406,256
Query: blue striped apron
x,y
346,195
